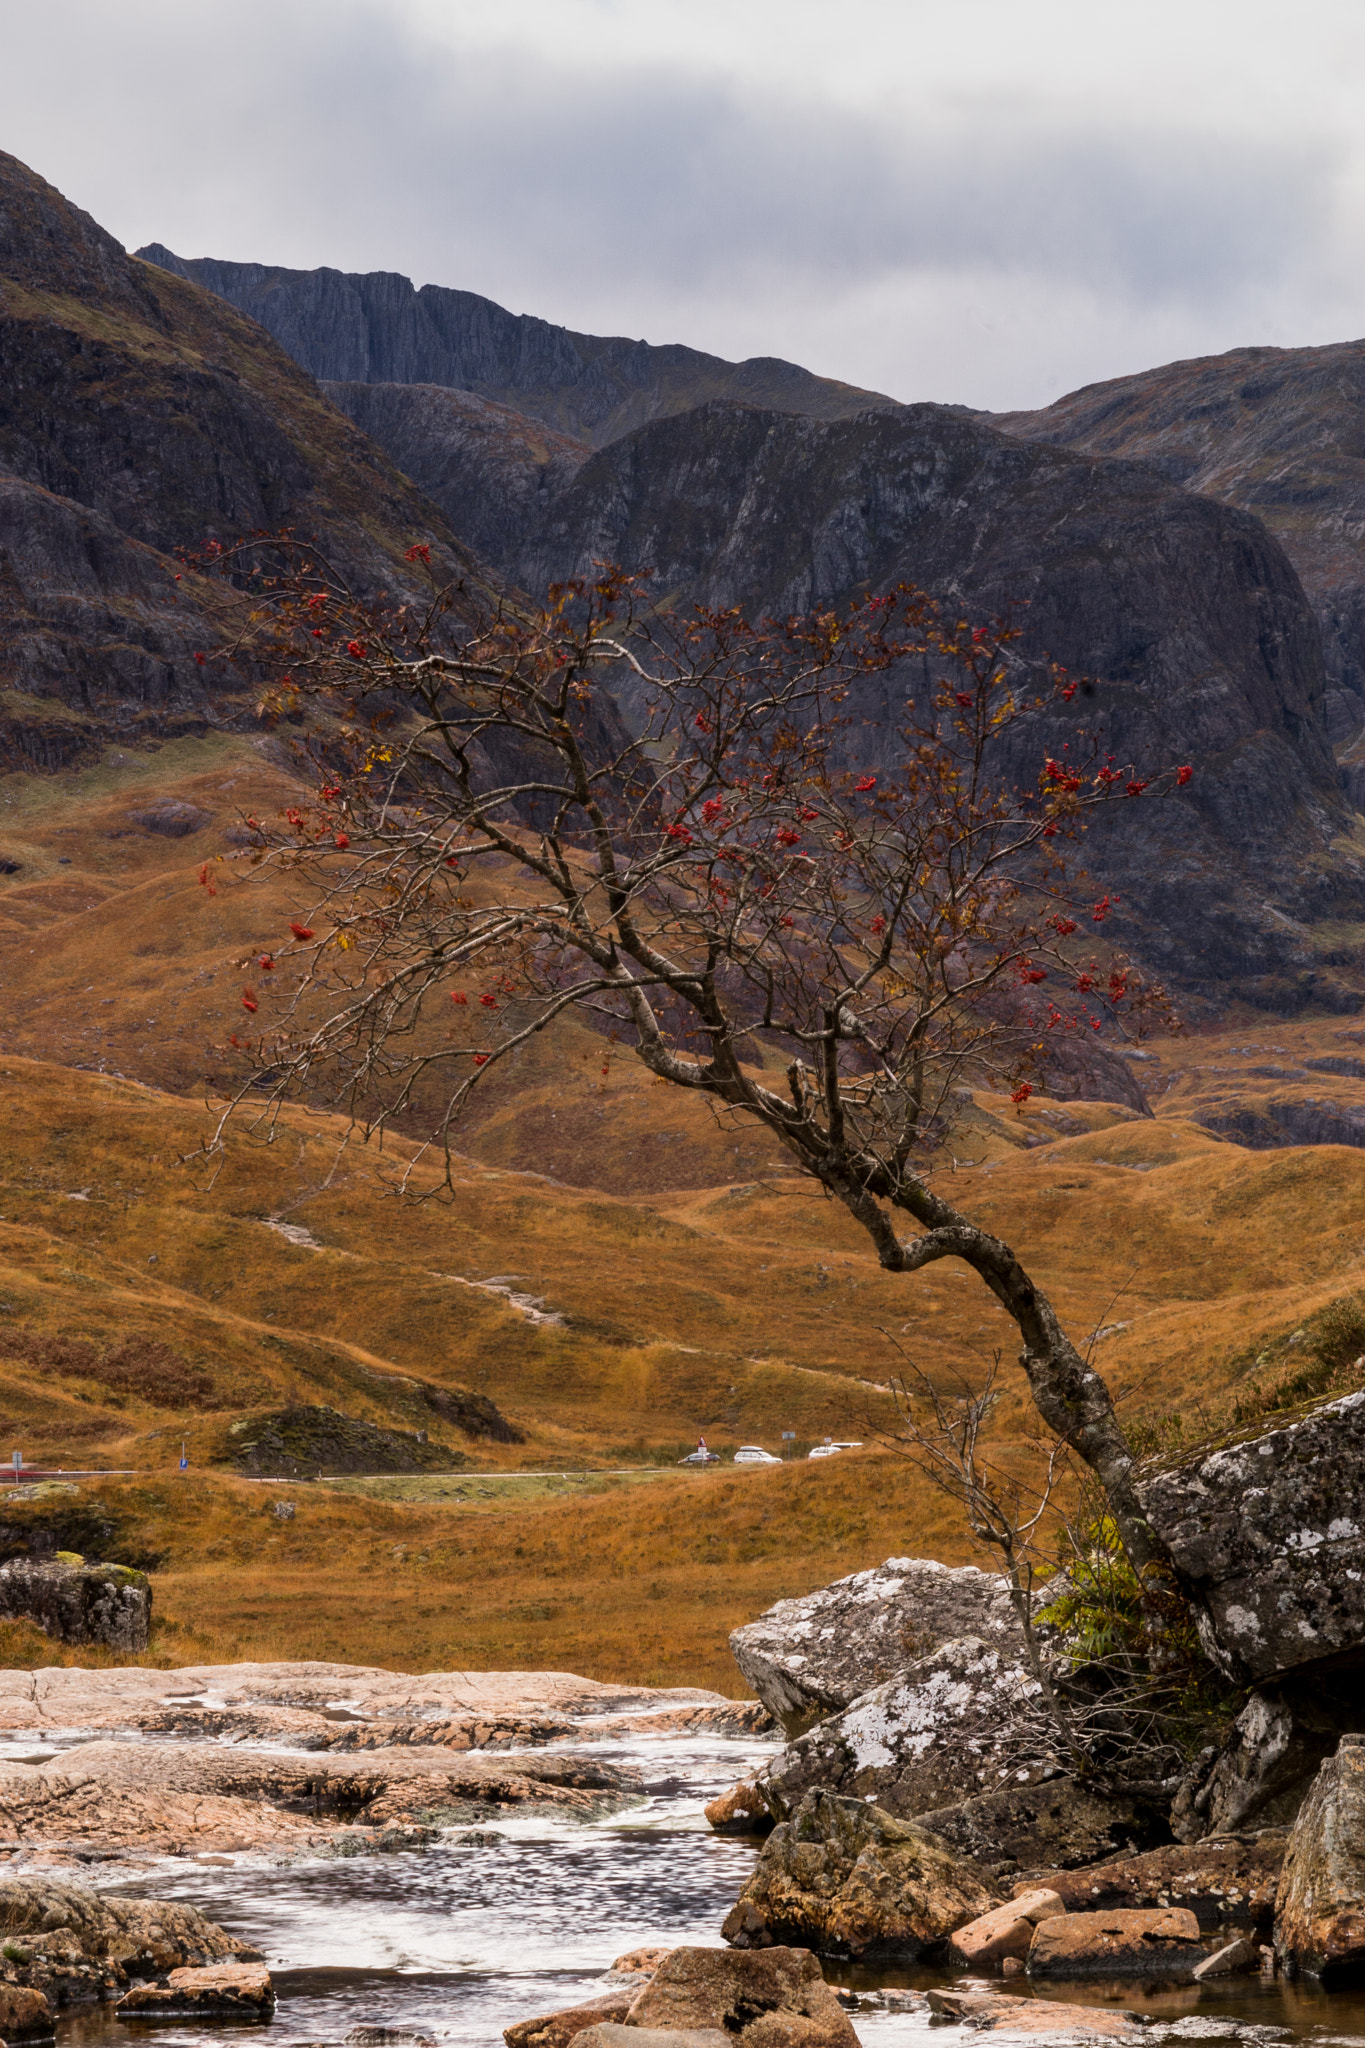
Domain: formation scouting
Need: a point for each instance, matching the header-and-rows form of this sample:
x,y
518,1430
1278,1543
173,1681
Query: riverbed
x,y
455,1942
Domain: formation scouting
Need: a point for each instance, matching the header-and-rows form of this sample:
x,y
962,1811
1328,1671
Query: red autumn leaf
x,y
867,782
1182,776
266,964
489,1002
341,841
420,551
249,999
201,659
457,996
1022,1092
481,1059
356,649
302,931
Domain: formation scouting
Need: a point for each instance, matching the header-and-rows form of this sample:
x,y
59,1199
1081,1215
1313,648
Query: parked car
x,y
827,1449
752,1454
700,1457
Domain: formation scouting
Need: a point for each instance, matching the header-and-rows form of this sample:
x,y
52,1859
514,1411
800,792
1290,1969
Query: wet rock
x,y
1235,1959
1268,1537
847,1879
25,2014
611,2034
775,1999
79,1603
639,1962
1006,1931
940,1732
142,1936
1261,1774
1320,1909
740,1811
223,1991
388,2037
1045,1825
1161,1942
817,1654
557,2029
989,2012
1220,1880
112,1795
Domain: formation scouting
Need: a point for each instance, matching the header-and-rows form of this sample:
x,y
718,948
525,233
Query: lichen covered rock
x,y
1269,1537
847,1879
939,1733
816,1654
1320,1908
74,1602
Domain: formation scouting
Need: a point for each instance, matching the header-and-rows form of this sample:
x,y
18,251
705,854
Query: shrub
x,y
138,1365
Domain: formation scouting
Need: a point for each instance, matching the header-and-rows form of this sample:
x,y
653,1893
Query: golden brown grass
x,y
701,1287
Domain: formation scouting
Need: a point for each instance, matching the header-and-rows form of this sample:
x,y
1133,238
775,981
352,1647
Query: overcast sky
x,y
980,201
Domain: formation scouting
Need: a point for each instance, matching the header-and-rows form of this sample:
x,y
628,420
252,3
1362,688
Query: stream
x,y
454,1943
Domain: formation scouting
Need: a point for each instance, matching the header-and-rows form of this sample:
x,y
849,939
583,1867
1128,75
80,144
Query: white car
x,y
751,1454
827,1450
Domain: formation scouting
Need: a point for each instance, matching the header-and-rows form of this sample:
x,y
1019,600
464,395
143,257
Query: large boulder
x,y
777,1999
1268,1536
1231,1880
942,1731
1320,1908
814,1655
847,1879
75,1602
1260,1775
1045,1824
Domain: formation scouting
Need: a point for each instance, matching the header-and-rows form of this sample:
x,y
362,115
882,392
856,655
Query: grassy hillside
x,y
685,1281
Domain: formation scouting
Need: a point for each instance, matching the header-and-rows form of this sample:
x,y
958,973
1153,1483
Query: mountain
x,y
140,414
1275,431
1186,615
375,328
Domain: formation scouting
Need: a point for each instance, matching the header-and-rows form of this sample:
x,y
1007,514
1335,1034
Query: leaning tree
x,y
677,824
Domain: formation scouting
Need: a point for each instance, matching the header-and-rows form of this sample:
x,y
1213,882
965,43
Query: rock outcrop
x,y
115,1795
74,1945
1268,1536
1227,1881
1320,1910
847,1879
1274,431
108,1604
373,328
1261,1773
939,1733
142,414
1046,1824
777,1999
816,1654
1185,617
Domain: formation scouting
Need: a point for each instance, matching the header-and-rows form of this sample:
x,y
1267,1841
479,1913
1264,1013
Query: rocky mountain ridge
x,y
376,328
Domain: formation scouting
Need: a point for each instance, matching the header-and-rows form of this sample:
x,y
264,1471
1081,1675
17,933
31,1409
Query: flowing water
x,y
454,1943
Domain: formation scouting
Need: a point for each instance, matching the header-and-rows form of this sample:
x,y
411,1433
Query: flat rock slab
x,y
1269,1534
775,1999
612,2035
1232,1879
990,2012
118,1698
1007,1930
817,1654
1320,1913
223,1991
941,1732
1161,1943
125,1795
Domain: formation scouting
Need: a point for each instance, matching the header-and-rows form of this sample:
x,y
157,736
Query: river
x,y
455,1942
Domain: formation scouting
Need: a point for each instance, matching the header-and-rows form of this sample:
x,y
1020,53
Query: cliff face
x,y
138,414
1276,431
1185,614
376,329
